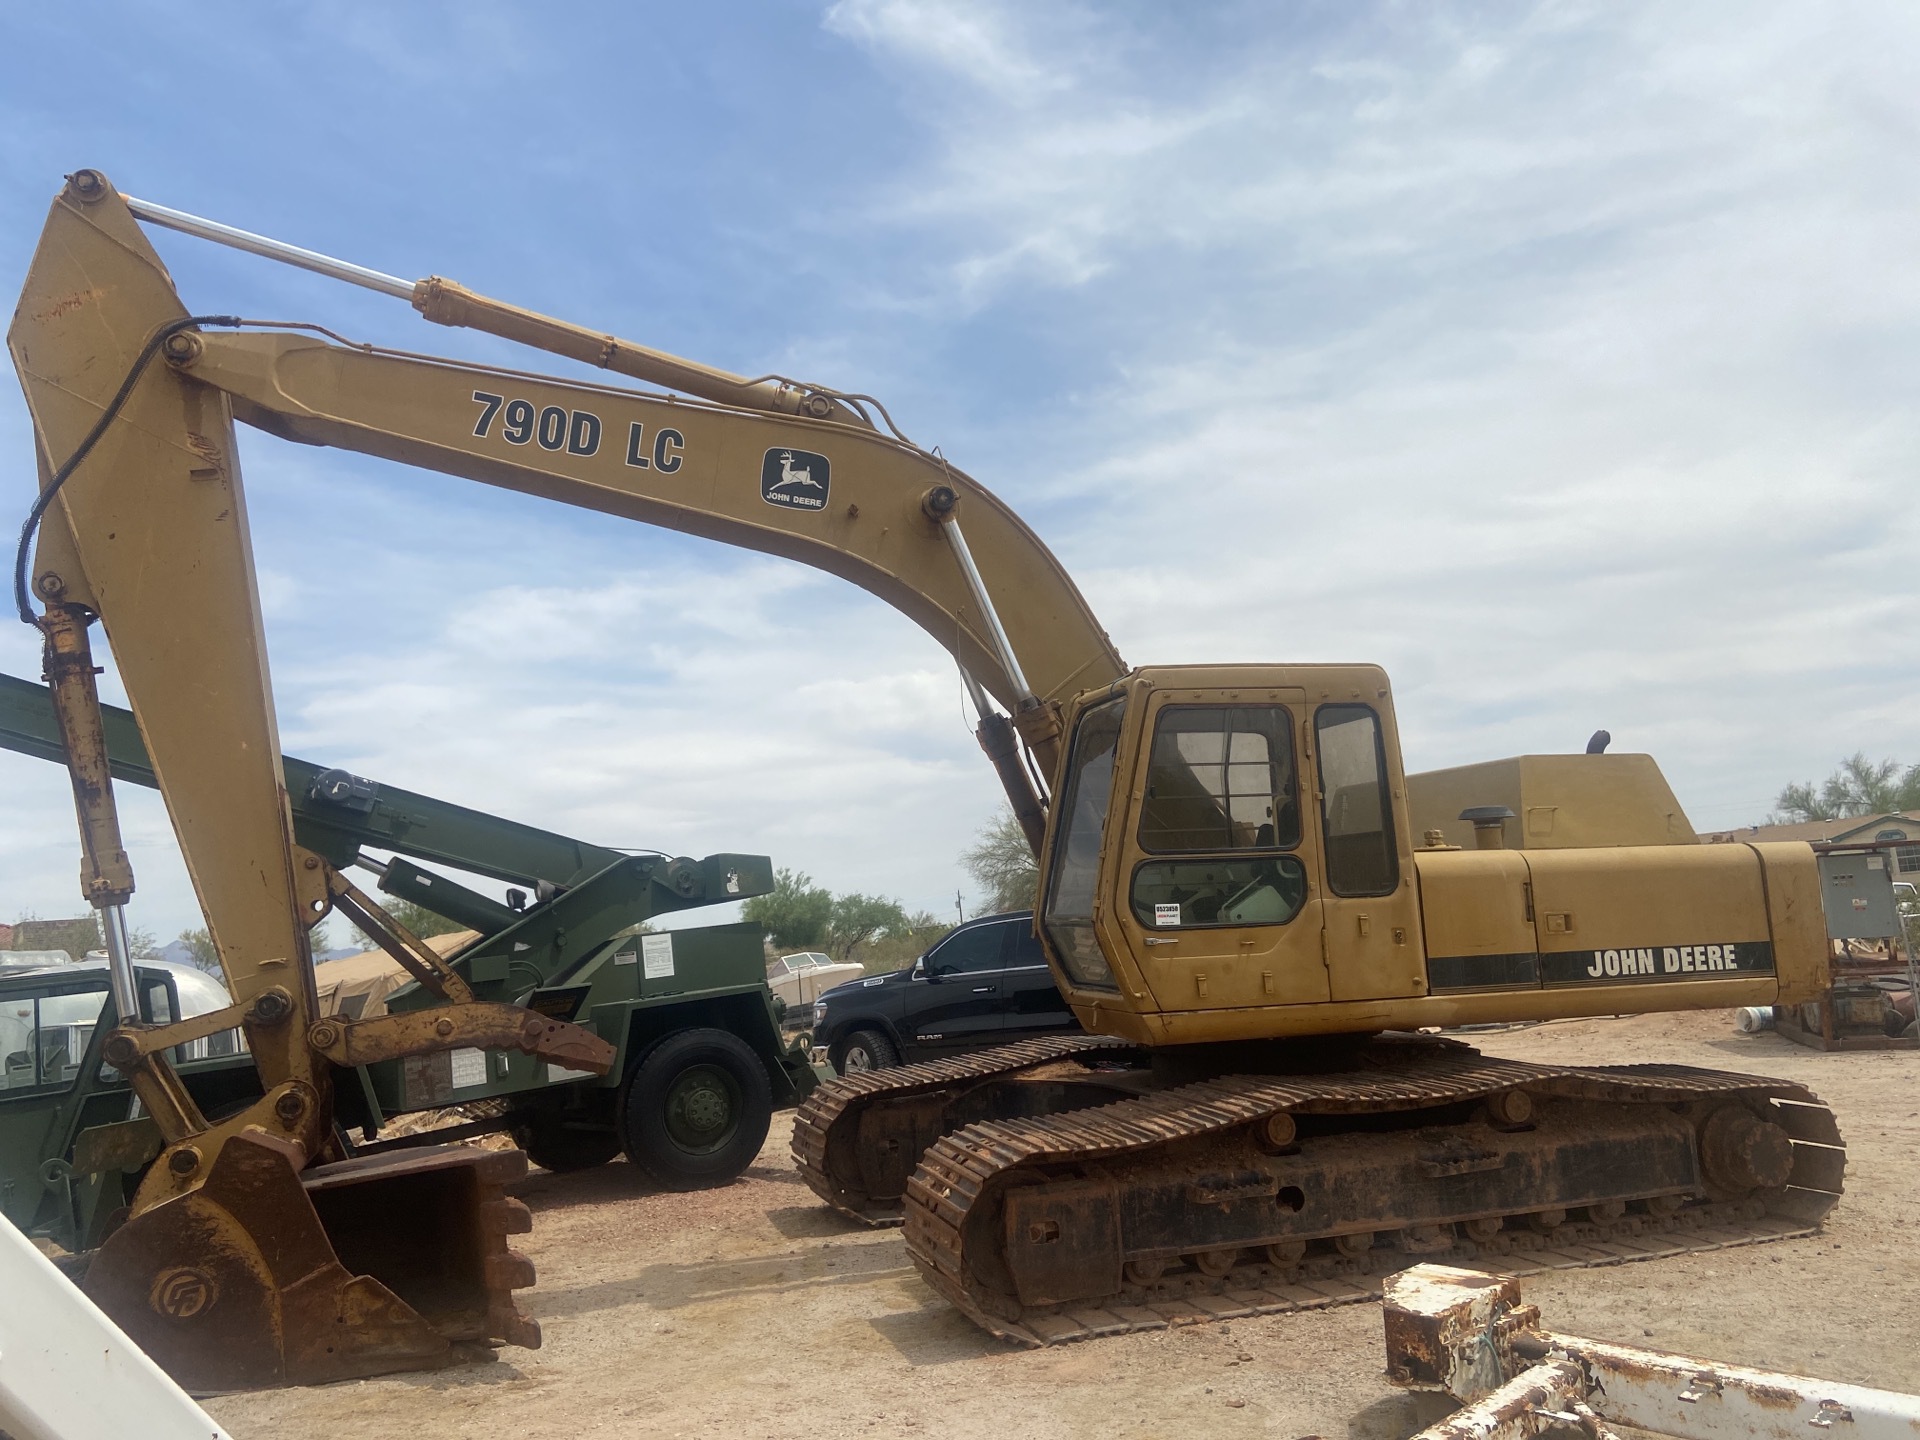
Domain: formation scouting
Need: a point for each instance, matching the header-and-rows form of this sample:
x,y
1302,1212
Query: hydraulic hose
x,y
21,599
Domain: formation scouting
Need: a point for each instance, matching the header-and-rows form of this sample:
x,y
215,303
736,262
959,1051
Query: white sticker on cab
x,y
1167,914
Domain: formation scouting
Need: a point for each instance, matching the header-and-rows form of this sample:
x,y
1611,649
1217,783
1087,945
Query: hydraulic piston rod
x,y
1003,647
446,302
171,219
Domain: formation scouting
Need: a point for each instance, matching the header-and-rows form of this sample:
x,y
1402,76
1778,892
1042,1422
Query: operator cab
x,y
1227,840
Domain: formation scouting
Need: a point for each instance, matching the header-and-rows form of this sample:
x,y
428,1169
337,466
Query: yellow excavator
x,y
1243,897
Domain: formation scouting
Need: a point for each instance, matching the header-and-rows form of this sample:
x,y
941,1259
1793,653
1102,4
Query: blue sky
x,y
1556,356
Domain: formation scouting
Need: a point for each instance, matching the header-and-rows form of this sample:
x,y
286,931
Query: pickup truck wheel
x,y
553,1146
865,1050
696,1109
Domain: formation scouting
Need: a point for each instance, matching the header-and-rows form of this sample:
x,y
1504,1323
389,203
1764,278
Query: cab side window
x,y
1356,808
967,951
43,1039
19,1045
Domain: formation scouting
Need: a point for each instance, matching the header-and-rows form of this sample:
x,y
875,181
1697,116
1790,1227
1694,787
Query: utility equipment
x,y
699,1061
1232,892
1467,1333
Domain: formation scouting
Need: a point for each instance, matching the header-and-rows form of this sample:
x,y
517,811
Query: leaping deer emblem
x,y
791,476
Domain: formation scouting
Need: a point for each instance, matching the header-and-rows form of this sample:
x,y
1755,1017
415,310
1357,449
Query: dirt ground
x,y
751,1311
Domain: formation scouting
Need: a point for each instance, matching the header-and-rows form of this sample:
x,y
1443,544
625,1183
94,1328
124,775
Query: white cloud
x,y
981,45
1556,360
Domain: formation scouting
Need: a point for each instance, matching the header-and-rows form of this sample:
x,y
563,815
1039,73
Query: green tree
x,y
420,920
1800,801
795,913
1002,864
201,952
1858,787
897,949
856,919
417,918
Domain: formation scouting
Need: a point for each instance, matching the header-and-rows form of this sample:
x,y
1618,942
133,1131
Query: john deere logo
x,y
796,479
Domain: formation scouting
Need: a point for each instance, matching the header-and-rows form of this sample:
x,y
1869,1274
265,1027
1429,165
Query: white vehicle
x,y
70,1372
800,979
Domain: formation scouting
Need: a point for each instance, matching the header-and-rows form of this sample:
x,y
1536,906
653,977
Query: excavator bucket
x,y
264,1276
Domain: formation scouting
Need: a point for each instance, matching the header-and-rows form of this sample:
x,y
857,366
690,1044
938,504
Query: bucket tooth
x,y
515,1328
508,1271
265,1277
506,1216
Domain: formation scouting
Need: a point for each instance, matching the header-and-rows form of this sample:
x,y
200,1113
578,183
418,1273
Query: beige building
x,y
1854,830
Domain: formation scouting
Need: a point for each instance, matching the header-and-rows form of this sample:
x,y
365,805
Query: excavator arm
x,y
226,1268
143,525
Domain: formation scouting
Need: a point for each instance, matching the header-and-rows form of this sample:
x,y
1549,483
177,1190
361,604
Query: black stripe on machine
x,y
1484,972
1628,965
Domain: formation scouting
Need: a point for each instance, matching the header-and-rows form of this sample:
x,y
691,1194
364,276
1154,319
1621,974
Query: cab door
x,y
1218,887
1369,909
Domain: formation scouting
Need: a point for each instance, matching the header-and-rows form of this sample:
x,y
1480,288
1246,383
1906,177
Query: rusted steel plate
x,y
1818,1167
1808,1122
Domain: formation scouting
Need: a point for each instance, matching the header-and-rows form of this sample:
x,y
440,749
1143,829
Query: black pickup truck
x,y
983,983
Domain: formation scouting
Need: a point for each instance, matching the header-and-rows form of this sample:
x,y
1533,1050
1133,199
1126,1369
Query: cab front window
x,y
1221,788
1084,800
1220,777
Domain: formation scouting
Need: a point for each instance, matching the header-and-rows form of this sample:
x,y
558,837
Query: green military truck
x,y
701,1063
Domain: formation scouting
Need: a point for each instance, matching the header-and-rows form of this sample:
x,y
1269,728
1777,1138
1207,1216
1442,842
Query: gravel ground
x,y
751,1311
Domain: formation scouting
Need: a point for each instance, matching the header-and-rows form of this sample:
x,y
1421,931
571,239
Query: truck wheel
x,y
696,1109
865,1050
559,1148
